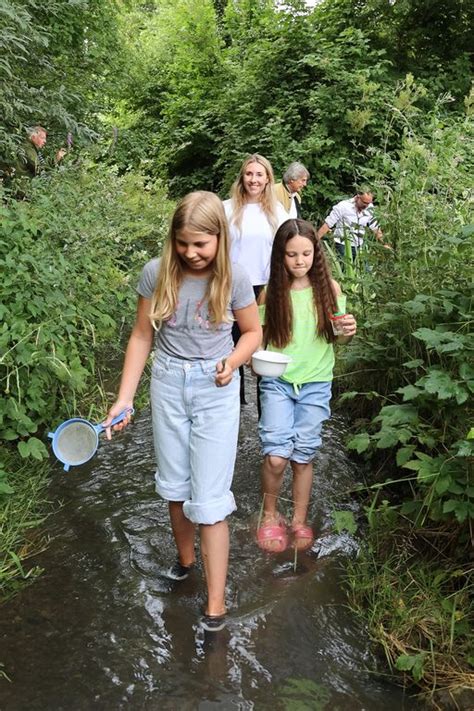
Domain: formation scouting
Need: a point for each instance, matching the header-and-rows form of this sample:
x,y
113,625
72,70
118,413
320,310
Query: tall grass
x,y
22,513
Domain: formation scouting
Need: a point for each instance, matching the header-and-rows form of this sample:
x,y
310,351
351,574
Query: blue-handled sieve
x,y
75,441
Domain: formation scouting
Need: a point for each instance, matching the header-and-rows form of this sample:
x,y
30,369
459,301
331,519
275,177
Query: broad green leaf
x,y
416,363
37,448
387,437
394,415
23,449
443,484
461,511
33,447
450,505
415,465
405,662
440,383
6,488
344,521
466,371
409,392
360,442
404,454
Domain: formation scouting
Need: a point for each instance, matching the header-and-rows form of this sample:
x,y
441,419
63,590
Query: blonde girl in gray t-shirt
x,y
187,303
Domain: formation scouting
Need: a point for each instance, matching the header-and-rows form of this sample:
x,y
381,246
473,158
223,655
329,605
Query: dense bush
x,y
416,345
410,383
69,256
57,58
211,82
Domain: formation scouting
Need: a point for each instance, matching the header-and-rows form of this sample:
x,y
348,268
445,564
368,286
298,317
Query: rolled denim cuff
x,y
210,512
176,492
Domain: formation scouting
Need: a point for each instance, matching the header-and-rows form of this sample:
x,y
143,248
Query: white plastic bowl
x,y
269,363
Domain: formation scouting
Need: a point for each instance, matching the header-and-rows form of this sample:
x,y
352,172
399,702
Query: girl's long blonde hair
x,y
268,199
199,211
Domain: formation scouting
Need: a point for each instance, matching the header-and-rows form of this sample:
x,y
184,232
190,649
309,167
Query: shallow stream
x,y
104,629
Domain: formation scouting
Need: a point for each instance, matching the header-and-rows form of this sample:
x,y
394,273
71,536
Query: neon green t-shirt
x,y
312,356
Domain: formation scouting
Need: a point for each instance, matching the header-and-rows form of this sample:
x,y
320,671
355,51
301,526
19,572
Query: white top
x,y
345,218
251,246
293,213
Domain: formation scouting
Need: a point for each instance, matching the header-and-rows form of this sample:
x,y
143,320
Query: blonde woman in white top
x,y
254,215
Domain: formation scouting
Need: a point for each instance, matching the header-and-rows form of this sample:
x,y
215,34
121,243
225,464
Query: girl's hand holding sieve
x,y
118,407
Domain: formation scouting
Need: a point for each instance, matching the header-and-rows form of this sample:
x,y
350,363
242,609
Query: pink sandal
x,y
275,533
304,534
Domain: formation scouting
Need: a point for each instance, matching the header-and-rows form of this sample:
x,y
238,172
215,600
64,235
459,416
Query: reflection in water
x,y
104,629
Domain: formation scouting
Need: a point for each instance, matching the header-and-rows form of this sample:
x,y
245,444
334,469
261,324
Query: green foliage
x,y
22,510
210,84
172,98
431,39
424,388
417,600
344,521
59,311
427,425
413,663
295,95
182,90
57,57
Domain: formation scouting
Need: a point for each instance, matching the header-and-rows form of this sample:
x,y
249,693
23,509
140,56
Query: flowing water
x,y
104,629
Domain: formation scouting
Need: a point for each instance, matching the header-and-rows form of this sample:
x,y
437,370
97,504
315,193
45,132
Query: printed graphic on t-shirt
x,y
193,315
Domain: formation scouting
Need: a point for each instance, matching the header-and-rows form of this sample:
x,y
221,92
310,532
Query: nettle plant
x,y
426,420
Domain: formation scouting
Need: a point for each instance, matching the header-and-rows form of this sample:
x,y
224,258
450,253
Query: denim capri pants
x,y
292,418
195,430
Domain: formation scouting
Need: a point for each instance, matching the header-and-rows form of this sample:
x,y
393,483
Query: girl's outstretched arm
x,y
249,324
136,354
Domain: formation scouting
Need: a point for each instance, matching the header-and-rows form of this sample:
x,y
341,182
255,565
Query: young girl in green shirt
x,y
296,310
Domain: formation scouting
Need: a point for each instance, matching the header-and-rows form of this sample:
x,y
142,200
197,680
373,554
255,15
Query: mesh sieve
x,y
76,443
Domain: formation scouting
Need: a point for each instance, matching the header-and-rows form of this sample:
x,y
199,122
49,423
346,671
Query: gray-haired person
x,y
30,161
287,192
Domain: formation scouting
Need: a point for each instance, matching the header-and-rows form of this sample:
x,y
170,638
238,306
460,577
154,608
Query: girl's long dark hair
x,y
278,328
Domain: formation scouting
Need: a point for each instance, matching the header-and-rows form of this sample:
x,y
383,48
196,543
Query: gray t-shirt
x,y
189,333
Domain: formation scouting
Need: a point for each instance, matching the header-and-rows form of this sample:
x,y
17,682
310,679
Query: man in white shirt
x,y
351,218
295,178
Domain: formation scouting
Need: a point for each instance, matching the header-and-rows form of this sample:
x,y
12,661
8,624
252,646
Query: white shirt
x,y
293,213
345,218
251,246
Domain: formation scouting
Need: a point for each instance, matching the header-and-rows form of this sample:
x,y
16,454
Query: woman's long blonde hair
x,y
200,211
268,199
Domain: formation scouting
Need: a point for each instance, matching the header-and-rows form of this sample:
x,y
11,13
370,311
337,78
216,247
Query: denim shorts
x,y
292,418
195,430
